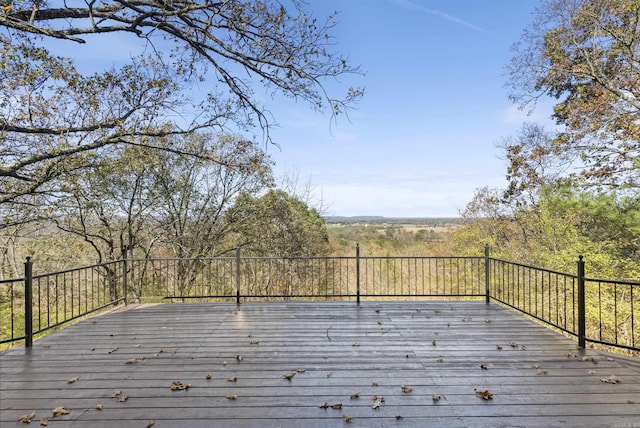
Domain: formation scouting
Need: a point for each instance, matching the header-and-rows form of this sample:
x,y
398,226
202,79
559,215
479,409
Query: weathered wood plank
x,y
446,349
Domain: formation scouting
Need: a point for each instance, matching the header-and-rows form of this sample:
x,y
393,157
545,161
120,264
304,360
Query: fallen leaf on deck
x,y
374,383
484,394
592,372
224,363
348,419
231,397
114,350
336,406
324,405
27,418
150,423
484,367
253,342
610,379
59,411
433,342
465,319
406,389
288,376
176,385
116,393
437,311
329,374
232,379
73,379
499,348
543,372
523,347
99,407
355,395
513,344
174,350
355,344
436,397
301,370
44,422
209,376
123,398
131,361
92,349
536,366
441,360
239,357
487,321
377,311
377,402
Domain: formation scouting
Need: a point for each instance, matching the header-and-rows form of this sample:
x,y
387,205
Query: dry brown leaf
x,y
176,385
592,372
441,360
513,344
301,370
348,419
543,372
123,398
466,319
131,361
116,393
232,379
374,383
99,406
73,379
224,363
406,389
436,397
355,395
324,405
26,419
536,366
44,422
150,423
288,376
377,402
484,394
611,379
59,411
114,350
209,376
239,357
231,397
336,406
254,342
499,348
174,350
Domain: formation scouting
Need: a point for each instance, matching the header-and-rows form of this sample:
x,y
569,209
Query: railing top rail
x,y
44,275
570,275
614,281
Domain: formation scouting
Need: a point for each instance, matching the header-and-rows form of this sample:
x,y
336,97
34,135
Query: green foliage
x,y
277,225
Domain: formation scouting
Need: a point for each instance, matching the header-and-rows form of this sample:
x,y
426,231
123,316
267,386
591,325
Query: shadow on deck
x,y
379,364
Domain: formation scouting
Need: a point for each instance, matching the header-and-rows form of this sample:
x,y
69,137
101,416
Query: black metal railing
x,y
598,311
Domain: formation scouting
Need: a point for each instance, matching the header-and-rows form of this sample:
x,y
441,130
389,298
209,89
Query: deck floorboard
x,y
335,353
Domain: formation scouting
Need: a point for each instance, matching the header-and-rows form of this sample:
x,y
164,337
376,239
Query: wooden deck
x,y
338,354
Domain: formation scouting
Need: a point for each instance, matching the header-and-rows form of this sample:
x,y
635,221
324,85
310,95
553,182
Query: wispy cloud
x,y
410,5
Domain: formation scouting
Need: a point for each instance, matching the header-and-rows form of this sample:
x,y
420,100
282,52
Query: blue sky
x,y
424,136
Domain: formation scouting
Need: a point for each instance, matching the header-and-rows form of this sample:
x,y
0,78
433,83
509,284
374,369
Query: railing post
x,y
28,303
582,328
238,276
487,273
358,274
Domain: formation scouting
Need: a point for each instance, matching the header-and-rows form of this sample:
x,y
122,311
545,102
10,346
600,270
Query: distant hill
x,y
373,219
